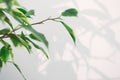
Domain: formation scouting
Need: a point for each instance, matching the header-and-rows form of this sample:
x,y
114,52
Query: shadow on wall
x,y
63,70
59,71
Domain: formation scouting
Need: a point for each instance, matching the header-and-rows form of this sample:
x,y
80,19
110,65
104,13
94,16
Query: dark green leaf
x,y
70,31
1,64
4,31
38,47
24,11
70,12
4,54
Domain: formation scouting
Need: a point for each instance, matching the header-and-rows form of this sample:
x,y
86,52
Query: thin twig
x,y
36,23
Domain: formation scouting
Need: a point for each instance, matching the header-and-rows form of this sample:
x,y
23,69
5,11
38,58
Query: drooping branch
x,y
36,23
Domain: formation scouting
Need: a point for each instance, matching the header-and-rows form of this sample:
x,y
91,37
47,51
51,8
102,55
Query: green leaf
x,y
1,1
1,64
4,18
22,41
8,3
19,16
17,67
34,44
15,42
7,20
15,2
4,54
11,53
70,31
4,31
38,47
29,13
37,35
70,12
24,11
23,36
33,37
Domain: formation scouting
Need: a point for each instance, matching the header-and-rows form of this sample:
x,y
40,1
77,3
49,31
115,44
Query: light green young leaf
x,y
15,2
70,13
18,15
8,3
70,31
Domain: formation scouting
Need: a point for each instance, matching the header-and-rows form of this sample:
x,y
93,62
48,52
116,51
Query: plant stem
x,y
36,23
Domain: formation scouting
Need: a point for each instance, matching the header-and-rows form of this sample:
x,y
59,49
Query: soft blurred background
x,y
96,55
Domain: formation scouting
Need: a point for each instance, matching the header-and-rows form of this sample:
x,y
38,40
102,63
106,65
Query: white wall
x,y
97,54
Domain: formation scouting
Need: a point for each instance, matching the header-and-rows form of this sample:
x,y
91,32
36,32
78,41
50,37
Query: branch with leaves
x,y
21,15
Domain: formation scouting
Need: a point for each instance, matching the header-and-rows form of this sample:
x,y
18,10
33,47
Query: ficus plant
x,y
10,37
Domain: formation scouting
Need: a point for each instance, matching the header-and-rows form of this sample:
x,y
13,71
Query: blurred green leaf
x,y
29,13
17,67
19,16
33,37
15,2
11,53
70,31
4,31
1,1
1,64
4,18
8,3
7,20
22,41
37,35
38,47
70,12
